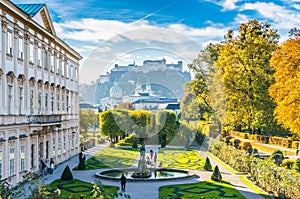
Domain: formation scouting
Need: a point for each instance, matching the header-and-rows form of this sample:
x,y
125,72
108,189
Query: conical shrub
x,y
67,174
81,165
207,165
216,175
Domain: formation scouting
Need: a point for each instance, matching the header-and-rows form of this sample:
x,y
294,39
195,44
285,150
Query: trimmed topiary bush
x,y
81,165
134,145
236,143
216,175
277,151
207,165
277,157
289,164
67,174
297,164
246,145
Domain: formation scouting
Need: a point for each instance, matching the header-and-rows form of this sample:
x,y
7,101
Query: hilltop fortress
x,y
163,80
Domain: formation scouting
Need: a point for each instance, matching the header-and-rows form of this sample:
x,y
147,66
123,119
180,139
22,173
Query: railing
x,y
41,119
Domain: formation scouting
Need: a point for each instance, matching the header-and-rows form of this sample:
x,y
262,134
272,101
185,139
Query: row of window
x,y
46,102
12,168
12,161
51,62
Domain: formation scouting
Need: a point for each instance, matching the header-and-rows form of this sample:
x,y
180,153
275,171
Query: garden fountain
x,y
142,172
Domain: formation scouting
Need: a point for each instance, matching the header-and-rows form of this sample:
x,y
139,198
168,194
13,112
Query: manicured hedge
x,y
274,140
282,182
239,134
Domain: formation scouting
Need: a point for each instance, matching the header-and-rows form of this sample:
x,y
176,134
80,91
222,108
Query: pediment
x,y
43,18
40,14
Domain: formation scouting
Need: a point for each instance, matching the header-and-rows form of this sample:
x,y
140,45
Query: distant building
x,y
87,106
152,103
39,85
140,93
166,80
170,106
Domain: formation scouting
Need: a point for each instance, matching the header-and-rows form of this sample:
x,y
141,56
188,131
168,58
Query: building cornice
x,y
10,8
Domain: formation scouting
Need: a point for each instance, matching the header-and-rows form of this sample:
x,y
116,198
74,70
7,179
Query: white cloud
x,y
240,18
296,6
84,48
225,4
229,4
209,31
281,17
96,31
210,42
91,30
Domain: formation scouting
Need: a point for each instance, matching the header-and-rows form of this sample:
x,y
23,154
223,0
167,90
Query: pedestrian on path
x,y
51,166
155,158
297,151
44,167
123,182
151,154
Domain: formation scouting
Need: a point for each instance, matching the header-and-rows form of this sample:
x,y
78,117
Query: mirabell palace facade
x,y
39,107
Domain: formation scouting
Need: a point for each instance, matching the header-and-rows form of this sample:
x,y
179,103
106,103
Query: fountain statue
x,y
142,173
142,170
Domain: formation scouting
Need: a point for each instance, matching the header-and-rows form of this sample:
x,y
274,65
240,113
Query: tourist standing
x,y
44,167
123,182
151,154
51,166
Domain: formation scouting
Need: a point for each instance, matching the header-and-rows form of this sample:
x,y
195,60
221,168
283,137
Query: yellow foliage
x,y
286,89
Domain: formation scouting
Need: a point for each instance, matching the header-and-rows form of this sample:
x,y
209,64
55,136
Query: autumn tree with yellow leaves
x,y
232,79
286,89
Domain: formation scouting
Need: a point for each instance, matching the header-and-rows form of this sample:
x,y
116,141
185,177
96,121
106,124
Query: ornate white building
x,y
39,111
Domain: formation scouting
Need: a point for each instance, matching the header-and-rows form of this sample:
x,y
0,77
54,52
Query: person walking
x,y
44,167
155,159
151,154
123,182
51,166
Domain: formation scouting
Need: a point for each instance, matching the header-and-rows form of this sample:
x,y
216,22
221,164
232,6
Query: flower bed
x,y
279,181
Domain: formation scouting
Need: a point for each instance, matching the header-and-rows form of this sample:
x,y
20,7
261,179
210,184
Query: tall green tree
x,y
207,85
142,122
110,124
190,107
87,119
286,89
186,133
165,125
243,64
124,122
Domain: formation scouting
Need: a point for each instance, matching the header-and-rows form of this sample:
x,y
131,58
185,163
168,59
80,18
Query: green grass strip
x,y
254,188
111,158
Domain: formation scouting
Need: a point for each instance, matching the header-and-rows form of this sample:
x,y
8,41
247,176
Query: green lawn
x,y
207,189
111,158
77,188
180,158
128,141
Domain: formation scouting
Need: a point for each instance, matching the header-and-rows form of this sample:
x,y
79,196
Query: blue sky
x,y
106,32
